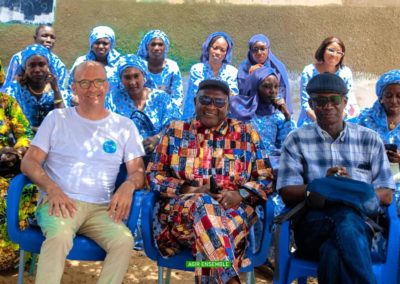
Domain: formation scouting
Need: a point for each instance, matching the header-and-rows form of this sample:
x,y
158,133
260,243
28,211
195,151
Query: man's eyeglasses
x,y
323,101
257,49
85,84
333,51
206,100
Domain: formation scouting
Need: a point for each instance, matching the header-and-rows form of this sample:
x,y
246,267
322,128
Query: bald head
x,y
87,66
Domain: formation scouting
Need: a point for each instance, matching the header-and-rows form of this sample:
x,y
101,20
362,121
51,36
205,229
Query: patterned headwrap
x,y
244,106
389,78
206,45
108,33
35,49
134,61
143,47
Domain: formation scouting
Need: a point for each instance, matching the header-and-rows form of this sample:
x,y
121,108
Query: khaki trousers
x,y
91,220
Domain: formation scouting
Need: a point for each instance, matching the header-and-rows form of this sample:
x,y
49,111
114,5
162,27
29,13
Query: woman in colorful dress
x,y
15,136
329,56
162,71
216,56
36,89
191,215
259,55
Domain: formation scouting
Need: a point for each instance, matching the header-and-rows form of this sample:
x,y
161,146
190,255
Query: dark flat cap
x,y
214,83
326,83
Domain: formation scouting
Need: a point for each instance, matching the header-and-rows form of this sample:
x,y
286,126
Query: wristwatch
x,y
244,193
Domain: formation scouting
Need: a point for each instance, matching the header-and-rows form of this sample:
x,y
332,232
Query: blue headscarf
x,y
206,43
108,33
272,61
245,105
36,49
389,78
134,61
143,46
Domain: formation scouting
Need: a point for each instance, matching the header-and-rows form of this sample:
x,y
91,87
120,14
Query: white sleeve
x,y
134,146
42,138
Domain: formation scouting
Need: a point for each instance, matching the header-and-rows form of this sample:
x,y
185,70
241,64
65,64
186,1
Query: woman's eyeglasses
x,y
323,101
206,100
85,84
333,51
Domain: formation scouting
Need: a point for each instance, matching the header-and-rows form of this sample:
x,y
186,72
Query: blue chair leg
x,y
160,275
250,277
21,267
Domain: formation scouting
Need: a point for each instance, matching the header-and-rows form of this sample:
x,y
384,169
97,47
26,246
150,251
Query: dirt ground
x,y
369,33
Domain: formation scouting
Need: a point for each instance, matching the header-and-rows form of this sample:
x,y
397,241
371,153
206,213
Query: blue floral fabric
x,y
35,110
202,71
158,109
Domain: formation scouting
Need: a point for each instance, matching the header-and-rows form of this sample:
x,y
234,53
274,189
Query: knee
x,y
60,238
123,240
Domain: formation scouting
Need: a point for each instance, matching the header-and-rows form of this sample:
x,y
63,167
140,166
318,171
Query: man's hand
x,y
121,203
60,203
337,171
228,199
9,156
394,157
150,143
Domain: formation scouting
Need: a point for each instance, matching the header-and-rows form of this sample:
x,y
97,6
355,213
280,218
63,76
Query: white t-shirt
x,y
84,156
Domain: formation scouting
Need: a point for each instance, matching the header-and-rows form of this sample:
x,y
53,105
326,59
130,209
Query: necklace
x,y
35,93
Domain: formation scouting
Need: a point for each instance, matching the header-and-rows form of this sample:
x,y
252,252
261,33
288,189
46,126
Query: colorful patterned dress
x,y
188,153
14,132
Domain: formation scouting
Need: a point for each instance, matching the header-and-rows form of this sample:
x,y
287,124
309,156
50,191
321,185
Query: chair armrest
x,y
148,204
394,235
14,193
135,209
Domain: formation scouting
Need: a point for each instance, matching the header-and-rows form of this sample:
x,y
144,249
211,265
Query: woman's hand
x,y
150,143
52,80
9,156
280,104
394,157
228,199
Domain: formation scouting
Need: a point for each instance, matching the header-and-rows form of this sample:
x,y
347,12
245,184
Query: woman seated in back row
x,y
259,55
216,56
162,71
36,88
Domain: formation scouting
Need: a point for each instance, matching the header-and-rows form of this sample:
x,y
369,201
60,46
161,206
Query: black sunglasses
x,y
206,100
320,101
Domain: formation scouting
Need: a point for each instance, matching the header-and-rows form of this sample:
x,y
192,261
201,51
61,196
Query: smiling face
x,y
90,93
36,68
391,99
333,54
46,37
259,52
207,112
156,48
217,50
268,89
101,47
133,81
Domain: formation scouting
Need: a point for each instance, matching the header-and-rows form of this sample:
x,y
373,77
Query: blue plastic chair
x,y
179,261
31,238
292,267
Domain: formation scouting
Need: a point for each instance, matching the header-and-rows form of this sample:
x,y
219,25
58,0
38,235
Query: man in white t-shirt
x,y
75,159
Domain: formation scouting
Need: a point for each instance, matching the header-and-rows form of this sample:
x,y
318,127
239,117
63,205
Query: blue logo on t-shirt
x,y
109,146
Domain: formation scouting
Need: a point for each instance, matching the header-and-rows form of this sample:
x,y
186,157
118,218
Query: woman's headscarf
x,y
36,49
206,43
389,78
246,105
272,61
108,33
143,46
